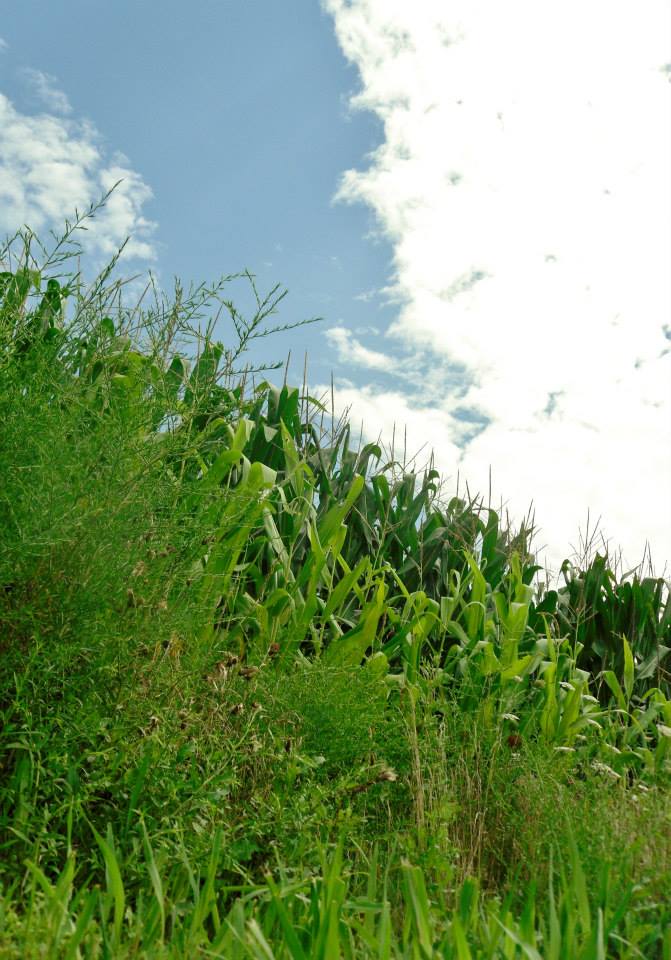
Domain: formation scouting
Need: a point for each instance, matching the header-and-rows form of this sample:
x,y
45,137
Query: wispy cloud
x,y
366,296
51,164
523,182
44,88
3,45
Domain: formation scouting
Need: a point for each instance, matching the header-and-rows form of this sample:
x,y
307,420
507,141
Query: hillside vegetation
x,y
266,694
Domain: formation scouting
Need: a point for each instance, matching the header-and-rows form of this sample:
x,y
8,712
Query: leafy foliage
x,y
265,693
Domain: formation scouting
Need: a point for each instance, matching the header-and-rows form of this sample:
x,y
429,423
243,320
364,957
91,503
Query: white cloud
x,y
385,413
3,45
45,89
51,165
523,182
351,351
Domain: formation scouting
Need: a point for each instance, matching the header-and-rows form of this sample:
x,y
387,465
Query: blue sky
x,y
236,116
475,196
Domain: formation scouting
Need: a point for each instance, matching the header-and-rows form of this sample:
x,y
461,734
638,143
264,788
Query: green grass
x,y
267,694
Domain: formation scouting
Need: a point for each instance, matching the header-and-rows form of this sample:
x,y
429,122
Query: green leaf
x,y
329,525
344,587
550,712
290,936
220,468
460,942
205,371
650,666
106,327
275,540
260,476
628,668
418,903
475,608
615,688
351,647
114,881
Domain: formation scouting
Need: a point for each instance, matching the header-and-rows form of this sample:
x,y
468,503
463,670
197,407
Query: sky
x,y
475,198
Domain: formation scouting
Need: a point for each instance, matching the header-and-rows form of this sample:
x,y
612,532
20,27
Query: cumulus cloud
x,y
52,164
523,182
